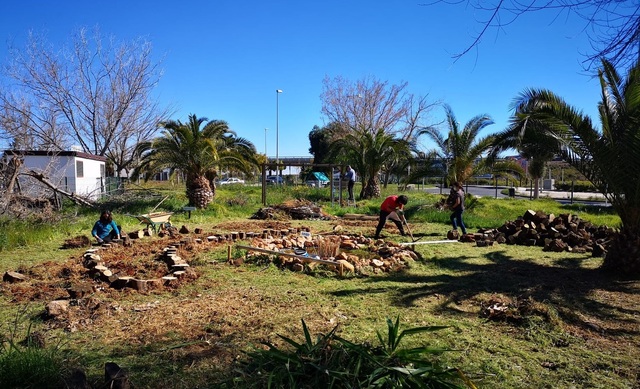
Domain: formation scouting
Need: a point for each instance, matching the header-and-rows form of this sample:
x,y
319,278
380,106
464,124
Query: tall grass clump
x,y
16,233
330,361
29,363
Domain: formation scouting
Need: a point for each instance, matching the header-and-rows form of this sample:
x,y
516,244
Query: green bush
x,y
334,362
578,186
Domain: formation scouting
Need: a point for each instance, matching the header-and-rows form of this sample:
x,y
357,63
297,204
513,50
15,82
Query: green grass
x,y
191,336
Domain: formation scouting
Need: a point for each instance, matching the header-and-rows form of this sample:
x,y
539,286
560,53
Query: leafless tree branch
x,y
613,26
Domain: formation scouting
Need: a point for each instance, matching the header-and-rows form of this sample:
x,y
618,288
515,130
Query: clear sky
x,y
224,59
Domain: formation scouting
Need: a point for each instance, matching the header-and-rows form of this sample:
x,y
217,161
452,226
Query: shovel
x,y
408,229
403,220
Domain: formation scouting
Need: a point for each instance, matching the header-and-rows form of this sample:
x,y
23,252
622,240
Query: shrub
x,y
578,186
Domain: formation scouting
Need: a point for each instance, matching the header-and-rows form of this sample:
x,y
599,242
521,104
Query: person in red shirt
x,y
389,209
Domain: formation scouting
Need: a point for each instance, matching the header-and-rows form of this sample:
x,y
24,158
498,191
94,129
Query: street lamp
x,y
278,91
265,142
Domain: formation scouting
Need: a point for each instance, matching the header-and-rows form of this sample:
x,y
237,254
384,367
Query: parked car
x,y
230,180
273,180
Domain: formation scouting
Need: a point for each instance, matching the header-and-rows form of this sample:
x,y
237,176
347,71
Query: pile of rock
x,y
555,233
383,256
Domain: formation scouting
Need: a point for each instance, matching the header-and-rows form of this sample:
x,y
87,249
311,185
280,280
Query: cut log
x,y
12,276
79,291
136,234
115,377
120,282
136,284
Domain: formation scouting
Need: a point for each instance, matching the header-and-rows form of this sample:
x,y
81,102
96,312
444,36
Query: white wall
x,y
61,171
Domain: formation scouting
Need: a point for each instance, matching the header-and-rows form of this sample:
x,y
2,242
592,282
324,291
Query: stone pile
x,y
555,233
381,256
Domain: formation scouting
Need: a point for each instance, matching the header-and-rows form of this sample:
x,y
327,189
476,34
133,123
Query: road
x,y
480,191
487,191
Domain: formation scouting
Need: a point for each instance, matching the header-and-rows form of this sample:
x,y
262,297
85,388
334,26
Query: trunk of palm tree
x,y
372,189
623,255
199,191
536,187
536,169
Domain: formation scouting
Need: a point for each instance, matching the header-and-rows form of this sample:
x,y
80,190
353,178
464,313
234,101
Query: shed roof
x,y
45,153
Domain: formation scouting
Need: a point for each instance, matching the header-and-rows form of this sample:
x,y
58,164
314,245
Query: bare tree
x,y
613,26
95,94
370,105
377,122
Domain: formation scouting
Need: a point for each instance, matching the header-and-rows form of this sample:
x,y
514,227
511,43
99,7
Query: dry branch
x,y
71,196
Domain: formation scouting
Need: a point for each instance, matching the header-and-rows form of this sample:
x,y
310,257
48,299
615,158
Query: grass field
x,y
565,324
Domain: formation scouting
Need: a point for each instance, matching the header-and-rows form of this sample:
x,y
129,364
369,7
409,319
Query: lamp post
x,y
265,142
278,91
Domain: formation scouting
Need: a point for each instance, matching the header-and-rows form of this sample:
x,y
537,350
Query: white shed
x,y
73,171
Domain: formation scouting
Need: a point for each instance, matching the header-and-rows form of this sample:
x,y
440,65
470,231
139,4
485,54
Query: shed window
x,y
102,173
79,169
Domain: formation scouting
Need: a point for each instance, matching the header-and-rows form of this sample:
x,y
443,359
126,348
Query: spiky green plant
x,y
331,361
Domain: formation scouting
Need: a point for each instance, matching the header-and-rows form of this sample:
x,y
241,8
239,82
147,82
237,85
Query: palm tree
x,y
368,153
460,150
533,141
198,153
608,157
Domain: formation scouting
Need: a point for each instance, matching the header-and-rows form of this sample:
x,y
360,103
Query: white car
x,y
230,180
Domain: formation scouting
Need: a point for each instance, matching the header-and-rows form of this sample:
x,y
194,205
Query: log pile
x,y
554,233
294,209
177,269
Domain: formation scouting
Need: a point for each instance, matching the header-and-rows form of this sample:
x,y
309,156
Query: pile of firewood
x,y
555,233
294,209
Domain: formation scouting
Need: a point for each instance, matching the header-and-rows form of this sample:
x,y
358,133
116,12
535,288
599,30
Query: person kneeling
x,y
105,229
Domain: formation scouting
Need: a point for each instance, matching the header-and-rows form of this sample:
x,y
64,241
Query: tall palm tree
x,y
198,153
368,153
533,141
460,149
608,157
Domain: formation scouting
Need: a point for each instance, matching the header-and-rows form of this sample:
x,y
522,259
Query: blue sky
x,y
225,59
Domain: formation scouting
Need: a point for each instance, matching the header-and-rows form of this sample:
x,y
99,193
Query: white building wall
x,y
62,171
91,182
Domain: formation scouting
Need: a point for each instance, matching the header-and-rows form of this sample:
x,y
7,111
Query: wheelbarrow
x,y
155,220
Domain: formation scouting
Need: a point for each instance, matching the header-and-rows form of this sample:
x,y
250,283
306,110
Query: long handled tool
x,y
408,229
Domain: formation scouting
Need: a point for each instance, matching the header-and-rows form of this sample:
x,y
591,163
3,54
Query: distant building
x,y
72,171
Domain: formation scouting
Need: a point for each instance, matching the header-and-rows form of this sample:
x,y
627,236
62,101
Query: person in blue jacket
x,y
105,229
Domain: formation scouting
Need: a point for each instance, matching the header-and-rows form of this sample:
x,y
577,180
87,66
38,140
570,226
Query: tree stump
x,y
115,377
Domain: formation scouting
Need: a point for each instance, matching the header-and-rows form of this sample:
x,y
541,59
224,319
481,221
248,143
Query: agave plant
x,y
334,362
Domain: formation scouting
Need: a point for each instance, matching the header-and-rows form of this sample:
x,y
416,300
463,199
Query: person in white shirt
x,y
350,175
